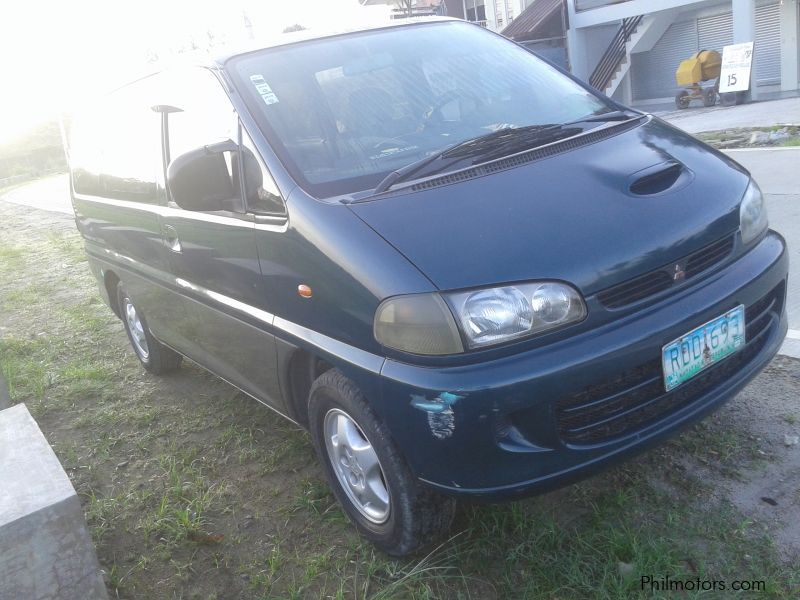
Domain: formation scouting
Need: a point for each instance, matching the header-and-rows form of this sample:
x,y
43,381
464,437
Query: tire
x,y
709,97
682,100
413,515
154,356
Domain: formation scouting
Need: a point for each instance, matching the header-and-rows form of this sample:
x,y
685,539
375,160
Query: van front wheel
x,y
154,356
368,475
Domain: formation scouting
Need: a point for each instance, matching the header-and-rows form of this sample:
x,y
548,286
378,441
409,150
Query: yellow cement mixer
x,y
699,78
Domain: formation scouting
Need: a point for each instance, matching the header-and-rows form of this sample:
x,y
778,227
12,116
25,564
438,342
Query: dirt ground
x,y
192,490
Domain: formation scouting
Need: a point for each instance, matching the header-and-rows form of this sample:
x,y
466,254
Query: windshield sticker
x,y
263,89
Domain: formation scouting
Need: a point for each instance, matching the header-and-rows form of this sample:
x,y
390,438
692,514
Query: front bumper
x,y
510,427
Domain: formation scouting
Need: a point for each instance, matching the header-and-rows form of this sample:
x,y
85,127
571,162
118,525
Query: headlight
x,y
752,213
420,324
423,323
498,315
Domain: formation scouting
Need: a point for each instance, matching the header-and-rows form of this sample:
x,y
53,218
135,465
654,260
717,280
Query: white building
x,y
492,14
631,48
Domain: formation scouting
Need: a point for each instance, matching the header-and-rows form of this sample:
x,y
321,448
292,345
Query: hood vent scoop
x,y
669,175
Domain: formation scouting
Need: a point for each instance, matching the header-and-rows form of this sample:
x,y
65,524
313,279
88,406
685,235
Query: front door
x,y
220,319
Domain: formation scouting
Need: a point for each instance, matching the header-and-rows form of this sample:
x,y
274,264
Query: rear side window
x,y
115,146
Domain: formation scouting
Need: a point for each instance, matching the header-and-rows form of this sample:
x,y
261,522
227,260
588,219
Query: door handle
x,y
170,236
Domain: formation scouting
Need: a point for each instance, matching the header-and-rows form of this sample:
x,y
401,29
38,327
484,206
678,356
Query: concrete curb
x,y
763,149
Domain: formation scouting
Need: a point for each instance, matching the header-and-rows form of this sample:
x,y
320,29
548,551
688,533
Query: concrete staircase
x,y
643,37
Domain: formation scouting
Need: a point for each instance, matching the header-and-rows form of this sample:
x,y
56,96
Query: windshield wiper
x,y
474,145
526,138
403,172
496,142
613,115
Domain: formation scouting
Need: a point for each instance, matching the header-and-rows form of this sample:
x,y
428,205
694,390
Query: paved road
x,y
756,114
778,174
777,170
51,193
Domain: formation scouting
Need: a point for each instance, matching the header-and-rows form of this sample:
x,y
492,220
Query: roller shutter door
x,y
714,33
768,44
654,71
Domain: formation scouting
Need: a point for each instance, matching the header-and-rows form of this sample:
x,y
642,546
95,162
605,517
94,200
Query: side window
x,y
115,146
261,193
206,116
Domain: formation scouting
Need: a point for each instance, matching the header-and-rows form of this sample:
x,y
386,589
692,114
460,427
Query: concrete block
x,y
5,399
46,552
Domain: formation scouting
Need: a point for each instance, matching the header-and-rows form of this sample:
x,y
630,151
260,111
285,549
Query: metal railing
x,y
614,55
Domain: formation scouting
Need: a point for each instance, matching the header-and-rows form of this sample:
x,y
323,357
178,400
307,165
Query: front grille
x,y
708,256
663,278
637,398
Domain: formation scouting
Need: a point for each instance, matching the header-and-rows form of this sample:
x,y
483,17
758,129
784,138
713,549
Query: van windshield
x,y
343,112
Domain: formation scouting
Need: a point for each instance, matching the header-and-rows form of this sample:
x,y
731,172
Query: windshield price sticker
x,y
737,60
263,89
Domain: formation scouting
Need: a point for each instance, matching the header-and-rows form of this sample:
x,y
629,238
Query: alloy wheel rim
x,y
356,466
137,330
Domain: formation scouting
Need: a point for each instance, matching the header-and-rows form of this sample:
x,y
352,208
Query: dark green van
x,y
466,273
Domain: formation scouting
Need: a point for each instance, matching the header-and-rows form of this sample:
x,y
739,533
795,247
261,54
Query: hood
x,y
571,216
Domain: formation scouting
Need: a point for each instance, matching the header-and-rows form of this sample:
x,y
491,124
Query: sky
x,y
58,53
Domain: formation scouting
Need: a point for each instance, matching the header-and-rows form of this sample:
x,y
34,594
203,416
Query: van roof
x,y
218,60
285,39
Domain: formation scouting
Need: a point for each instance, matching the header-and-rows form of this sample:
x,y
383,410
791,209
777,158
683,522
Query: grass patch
x,y
91,318
11,257
24,363
24,298
724,448
67,247
185,497
740,137
98,372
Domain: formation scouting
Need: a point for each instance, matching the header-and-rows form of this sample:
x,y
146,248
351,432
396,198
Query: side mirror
x,y
199,179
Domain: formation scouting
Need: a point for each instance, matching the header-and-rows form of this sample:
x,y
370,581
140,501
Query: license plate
x,y
686,356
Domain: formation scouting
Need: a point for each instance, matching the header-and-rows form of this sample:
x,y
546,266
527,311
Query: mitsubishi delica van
x,y
464,272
